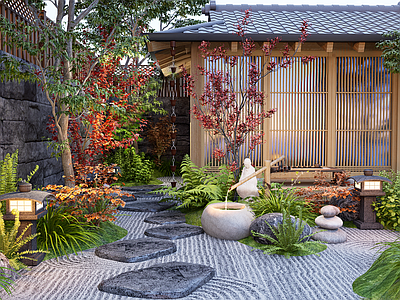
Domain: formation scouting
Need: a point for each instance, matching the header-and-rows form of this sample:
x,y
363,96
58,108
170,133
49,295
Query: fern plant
x,y
199,188
10,244
280,199
6,281
287,239
8,173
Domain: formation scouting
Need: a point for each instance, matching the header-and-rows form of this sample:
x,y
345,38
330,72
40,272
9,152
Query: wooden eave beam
x,y
359,47
167,62
296,46
159,46
328,46
234,46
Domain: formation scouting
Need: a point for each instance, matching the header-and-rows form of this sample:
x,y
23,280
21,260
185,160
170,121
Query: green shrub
x,y
60,231
199,187
10,244
134,167
287,241
382,280
388,207
279,199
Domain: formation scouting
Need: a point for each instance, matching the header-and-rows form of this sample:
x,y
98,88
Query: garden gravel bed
x,y
240,272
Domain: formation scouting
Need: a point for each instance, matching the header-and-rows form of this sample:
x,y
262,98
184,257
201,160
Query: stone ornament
x,y
331,223
249,188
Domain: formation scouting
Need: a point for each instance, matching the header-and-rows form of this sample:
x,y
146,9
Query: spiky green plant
x,y
10,244
382,280
60,231
287,239
279,199
8,173
6,280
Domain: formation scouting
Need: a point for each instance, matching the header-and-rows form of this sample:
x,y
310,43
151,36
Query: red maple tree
x,y
222,109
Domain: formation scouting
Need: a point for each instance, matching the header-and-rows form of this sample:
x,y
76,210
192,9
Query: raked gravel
x,y
241,274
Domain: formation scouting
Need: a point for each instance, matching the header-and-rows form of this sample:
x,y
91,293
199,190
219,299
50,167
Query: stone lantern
x,y
368,187
31,206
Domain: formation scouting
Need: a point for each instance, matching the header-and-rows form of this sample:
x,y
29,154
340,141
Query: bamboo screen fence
x,y
299,128
363,101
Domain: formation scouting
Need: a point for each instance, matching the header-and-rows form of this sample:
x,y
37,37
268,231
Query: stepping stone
x,y
169,217
174,231
161,281
131,251
141,188
146,195
128,199
148,206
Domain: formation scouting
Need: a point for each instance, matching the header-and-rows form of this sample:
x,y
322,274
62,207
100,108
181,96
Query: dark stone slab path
x,y
131,251
174,231
141,188
162,281
168,217
146,206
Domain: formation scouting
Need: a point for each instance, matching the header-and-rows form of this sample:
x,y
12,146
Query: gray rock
x,y
128,198
174,231
148,206
329,236
329,211
169,217
329,223
162,281
131,251
260,225
141,195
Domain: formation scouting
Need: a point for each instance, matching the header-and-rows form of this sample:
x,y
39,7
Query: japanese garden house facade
x,y
341,110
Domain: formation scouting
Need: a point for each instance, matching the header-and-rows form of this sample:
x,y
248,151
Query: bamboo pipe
x,y
255,173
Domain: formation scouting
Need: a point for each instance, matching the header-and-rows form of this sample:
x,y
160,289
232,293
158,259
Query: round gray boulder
x,y
260,225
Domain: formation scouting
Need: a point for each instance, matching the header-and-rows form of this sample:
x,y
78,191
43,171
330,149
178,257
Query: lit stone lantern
x,y
369,187
31,206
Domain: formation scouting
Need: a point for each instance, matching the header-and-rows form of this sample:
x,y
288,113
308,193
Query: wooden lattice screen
x,y
298,128
363,102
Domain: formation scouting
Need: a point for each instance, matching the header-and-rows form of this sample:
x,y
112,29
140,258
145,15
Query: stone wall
x,y
24,112
182,109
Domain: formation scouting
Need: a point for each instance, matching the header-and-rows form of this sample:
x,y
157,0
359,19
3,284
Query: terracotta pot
x,y
173,183
173,135
173,102
24,187
173,151
173,168
173,69
172,83
231,224
173,119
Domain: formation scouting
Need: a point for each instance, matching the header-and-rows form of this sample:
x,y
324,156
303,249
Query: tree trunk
x,y
66,156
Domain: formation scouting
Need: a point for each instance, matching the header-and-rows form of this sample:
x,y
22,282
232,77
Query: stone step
x,y
131,251
162,281
141,188
146,206
168,217
174,231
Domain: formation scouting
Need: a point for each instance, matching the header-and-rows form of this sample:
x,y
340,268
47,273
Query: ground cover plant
x,y
382,280
6,281
199,188
287,239
387,207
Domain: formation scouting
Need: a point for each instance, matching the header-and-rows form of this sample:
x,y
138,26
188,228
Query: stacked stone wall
x,y
24,112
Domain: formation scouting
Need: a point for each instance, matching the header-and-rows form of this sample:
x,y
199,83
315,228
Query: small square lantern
x,y
31,207
369,187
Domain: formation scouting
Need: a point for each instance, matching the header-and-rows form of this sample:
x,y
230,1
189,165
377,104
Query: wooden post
x,y
331,112
394,137
267,173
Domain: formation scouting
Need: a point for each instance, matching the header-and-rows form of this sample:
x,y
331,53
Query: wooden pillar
x,y
331,73
196,131
395,122
266,88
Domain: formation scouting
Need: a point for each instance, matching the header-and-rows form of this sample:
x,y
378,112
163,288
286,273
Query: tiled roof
x,y
328,23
